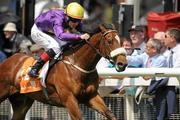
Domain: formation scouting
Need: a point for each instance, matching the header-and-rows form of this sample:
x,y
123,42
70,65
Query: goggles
x,y
74,20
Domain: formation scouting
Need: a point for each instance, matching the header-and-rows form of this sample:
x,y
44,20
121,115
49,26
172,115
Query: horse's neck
x,y
87,57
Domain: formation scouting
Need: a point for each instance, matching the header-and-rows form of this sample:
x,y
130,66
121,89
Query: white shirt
x,y
141,50
176,56
157,61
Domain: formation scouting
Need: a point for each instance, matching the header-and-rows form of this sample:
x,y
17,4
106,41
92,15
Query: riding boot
x,y
34,72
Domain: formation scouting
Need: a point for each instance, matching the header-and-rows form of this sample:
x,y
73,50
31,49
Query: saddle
x,y
29,84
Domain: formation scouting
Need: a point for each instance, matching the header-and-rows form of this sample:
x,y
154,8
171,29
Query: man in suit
x,y
167,96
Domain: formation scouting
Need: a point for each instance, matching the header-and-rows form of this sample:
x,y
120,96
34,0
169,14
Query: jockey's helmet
x,y
75,10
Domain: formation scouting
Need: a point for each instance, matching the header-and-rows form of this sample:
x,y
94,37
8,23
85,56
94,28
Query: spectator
x,y
151,58
2,56
138,45
137,35
167,96
127,44
172,41
152,54
145,32
138,39
161,36
15,42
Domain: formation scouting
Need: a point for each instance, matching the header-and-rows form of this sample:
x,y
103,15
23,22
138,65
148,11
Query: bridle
x,y
109,57
109,31
101,40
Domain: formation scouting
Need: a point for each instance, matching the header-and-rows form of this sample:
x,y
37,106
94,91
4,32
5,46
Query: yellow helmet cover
x,y
75,10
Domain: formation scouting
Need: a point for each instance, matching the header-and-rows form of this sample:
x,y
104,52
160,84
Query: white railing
x,y
173,73
160,72
138,73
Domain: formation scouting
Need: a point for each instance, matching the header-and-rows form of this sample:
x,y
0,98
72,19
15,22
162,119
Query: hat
x,y
136,28
10,27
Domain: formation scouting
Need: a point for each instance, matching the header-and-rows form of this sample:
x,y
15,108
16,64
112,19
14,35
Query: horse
x,y
71,81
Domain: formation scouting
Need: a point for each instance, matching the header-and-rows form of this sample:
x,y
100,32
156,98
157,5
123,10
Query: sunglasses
x,y
74,20
168,36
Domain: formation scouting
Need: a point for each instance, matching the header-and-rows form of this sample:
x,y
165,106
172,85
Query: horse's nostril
x,y
120,64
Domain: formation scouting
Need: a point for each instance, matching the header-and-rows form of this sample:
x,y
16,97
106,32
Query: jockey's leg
x,y
34,72
98,104
51,46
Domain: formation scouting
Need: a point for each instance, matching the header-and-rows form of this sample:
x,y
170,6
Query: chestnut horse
x,y
71,81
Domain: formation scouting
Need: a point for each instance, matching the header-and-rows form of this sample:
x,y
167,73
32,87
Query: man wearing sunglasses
x,y
56,21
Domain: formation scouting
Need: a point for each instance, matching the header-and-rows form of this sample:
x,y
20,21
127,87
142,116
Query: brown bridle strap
x,y
77,67
103,35
97,51
109,32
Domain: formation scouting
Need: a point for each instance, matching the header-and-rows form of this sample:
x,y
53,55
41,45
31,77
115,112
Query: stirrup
x,y
33,73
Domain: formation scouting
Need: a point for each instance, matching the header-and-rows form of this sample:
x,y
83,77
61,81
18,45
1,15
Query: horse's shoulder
x,y
19,54
18,57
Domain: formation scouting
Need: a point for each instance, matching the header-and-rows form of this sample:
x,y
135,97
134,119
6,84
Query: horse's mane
x,y
95,28
108,26
90,29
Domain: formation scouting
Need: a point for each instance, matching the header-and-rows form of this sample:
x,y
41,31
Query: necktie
x,y
170,62
137,51
137,48
148,64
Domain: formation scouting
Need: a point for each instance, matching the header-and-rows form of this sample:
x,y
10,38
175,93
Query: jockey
x,y
55,21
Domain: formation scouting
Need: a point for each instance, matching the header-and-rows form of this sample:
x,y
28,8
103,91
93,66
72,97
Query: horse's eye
x,y
110,42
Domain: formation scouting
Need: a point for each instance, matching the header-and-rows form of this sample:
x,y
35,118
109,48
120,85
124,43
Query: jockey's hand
x,y
85,36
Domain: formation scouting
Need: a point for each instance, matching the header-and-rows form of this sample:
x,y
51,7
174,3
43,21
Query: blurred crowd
x,y
159,51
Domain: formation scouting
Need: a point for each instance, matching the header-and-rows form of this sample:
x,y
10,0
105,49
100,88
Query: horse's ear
x,y
113,26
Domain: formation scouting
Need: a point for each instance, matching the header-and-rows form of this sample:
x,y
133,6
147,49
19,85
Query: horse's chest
x,y
88,89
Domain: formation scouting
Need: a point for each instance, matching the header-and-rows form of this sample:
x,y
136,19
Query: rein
x,y
95,49
109,32
77,67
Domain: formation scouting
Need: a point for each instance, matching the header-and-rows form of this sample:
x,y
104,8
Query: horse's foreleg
x,y
98,104
73,108
4,92
20,104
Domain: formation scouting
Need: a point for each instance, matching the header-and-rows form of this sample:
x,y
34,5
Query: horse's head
x,y
109,46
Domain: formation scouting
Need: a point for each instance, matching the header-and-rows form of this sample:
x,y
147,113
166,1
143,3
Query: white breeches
x,y
44,40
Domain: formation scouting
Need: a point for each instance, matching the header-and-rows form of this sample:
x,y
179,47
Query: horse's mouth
x,y
120,67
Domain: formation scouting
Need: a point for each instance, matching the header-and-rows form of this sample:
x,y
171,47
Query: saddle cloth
x,y
30,84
